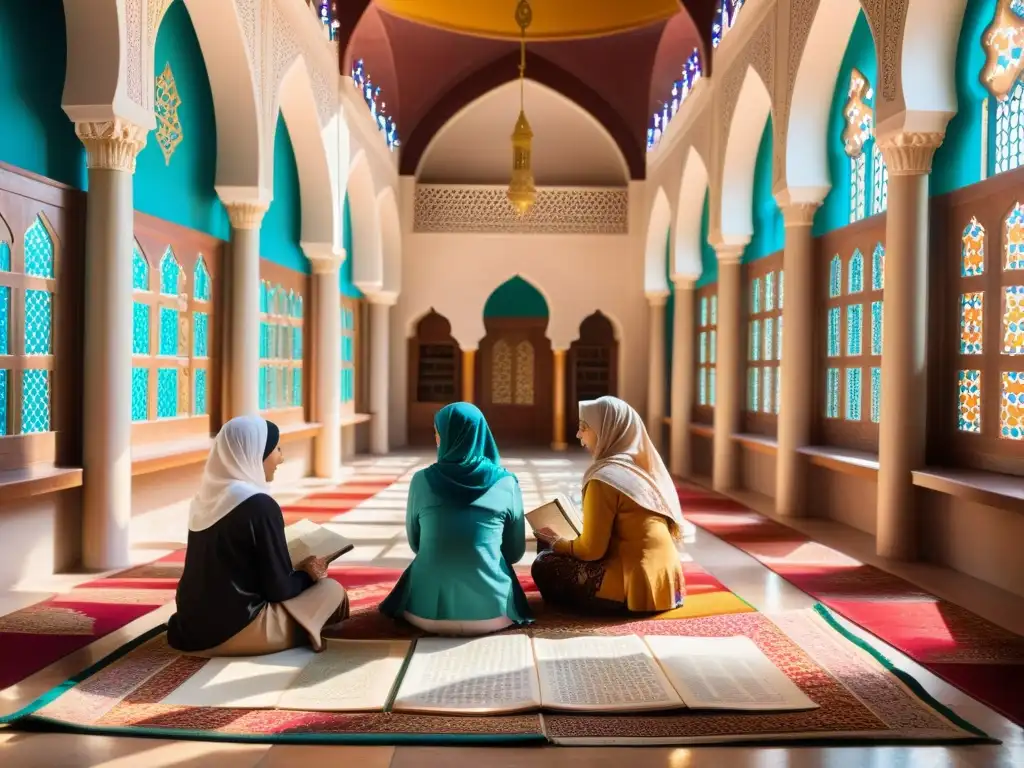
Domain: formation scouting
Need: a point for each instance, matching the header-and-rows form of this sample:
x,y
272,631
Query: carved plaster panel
x,y
133,34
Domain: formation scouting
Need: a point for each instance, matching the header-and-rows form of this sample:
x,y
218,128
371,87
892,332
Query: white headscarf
x,y
627,460
234,471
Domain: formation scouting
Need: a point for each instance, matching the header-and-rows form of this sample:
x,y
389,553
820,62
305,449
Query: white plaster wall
x,y
577,274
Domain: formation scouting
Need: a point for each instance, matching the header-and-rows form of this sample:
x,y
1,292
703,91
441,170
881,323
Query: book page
x,y
601,674
307,539
484,675
725,673
559,515
348,676
247,682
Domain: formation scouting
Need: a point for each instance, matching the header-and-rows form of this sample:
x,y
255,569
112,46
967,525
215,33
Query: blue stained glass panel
x,y
168,332
834,322
38,251
835,277
753,382
755,340
200,334
264,298
703,356
140,394
714,310
264,341
853,394
170,274
5,256
712,347
856,276
832,393
755,296
262,394
854,330
703,311
38,322
876,328
35,401
3,402
876,395
5,320
296,343
878,267
296,386
140,328
199,398
140,270
201,281
166,393
769,338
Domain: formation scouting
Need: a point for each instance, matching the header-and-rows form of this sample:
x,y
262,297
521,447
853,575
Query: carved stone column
x,y
683,376
902,434
111,149
729,374
468,375
242,361
795,411
380,316
558,412
656,368
326,263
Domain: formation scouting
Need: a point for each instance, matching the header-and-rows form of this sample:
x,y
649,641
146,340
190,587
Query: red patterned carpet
x,y
37,636
979,657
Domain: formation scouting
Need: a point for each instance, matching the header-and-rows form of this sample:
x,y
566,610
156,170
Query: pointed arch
x,y
201,283
693,186
170,273
391,241
931,32
751,113
655,251
367,257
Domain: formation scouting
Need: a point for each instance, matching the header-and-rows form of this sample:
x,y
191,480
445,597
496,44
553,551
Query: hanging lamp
x,y
521,190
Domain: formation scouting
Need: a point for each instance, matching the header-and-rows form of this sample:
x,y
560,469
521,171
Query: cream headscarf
x,y
627,460
234,471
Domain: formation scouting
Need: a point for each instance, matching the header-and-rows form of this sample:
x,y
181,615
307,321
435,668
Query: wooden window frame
x,y
703,413
24,197
153,237
839,432
354,308
758,421
291,281
990,203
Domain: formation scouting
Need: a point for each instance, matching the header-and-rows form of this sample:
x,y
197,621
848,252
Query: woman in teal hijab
x,y
465,523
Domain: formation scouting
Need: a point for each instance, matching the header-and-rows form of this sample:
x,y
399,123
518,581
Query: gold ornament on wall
x,y
521,190
168,126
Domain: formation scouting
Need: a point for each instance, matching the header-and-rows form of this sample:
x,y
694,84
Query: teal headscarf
x,y
467,458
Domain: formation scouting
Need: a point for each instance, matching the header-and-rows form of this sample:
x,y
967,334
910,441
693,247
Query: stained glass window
x,y
858,129
832,393
835,277
726,13
764,317
707,313
348,350
971,320
1011,406
972,250
681,88
281,348
202,293
856,275
1004,62
1013,320
879,180
969,397
1015,239
378,107
327,13
39,262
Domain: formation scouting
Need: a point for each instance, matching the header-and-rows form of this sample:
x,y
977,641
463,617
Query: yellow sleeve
x,y
599,507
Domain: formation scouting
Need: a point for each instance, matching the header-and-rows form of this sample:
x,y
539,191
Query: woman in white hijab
x,y
626,558
239,594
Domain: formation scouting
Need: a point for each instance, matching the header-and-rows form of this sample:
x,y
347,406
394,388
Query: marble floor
x,y
378,527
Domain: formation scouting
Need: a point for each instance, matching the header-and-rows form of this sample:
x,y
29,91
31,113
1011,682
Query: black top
x,y
233,569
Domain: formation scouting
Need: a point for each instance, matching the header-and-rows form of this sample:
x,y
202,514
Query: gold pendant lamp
x,y
521,190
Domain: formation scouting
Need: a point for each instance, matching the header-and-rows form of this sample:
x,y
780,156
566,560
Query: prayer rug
x,y
36,636
861,698
979,657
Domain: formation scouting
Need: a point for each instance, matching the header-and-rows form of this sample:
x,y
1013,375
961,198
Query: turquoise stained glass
x,y
766,400
876,395
5,256
264,297
166,393
711,387
782,284
296,343
140,394
199,396
834,331
200,334
201,290
140,328
878,267
854,330
3,402
5,320
769,292
769,338
262,389
140,270
170,274
703,311
35,401
38,322
347,385
703,353
876,328
835,277
853,394
855,280
712,347
832,393
702,387
753,384
168,332
38,250
296,386
755,296
755,340
714,310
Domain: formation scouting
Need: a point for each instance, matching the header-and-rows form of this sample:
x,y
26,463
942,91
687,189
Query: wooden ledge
x,y
988,488
849,462
37,480
704,430
300,431
757,443
354,418
156,457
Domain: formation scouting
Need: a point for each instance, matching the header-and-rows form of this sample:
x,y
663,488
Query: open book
x,y
501,674
307,539
560,515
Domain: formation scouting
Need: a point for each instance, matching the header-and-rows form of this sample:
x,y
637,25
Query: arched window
x,y
281,347
140,334
681,88
1004,62
764,350
707,324
201,299
375,101
171,346
349,334
865,158
726,13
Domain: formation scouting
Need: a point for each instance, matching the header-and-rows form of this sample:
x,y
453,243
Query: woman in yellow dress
x,y
627,557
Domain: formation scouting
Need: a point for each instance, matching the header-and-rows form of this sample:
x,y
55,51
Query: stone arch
x,y
241,155
806,166
321,208
391,241
658,226
931,33
752,110
367,257
98,41
686,250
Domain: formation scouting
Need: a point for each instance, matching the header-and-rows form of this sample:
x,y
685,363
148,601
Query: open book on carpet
x,y
560,515
307,539
503,674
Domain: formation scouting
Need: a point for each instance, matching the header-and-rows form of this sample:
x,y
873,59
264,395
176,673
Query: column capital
x,y
111,145
799,214
684,282
910,153
468,349
382,299
246,215
657,298
324,258
730,253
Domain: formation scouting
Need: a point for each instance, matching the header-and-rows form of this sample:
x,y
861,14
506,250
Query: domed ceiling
x,y
616,59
